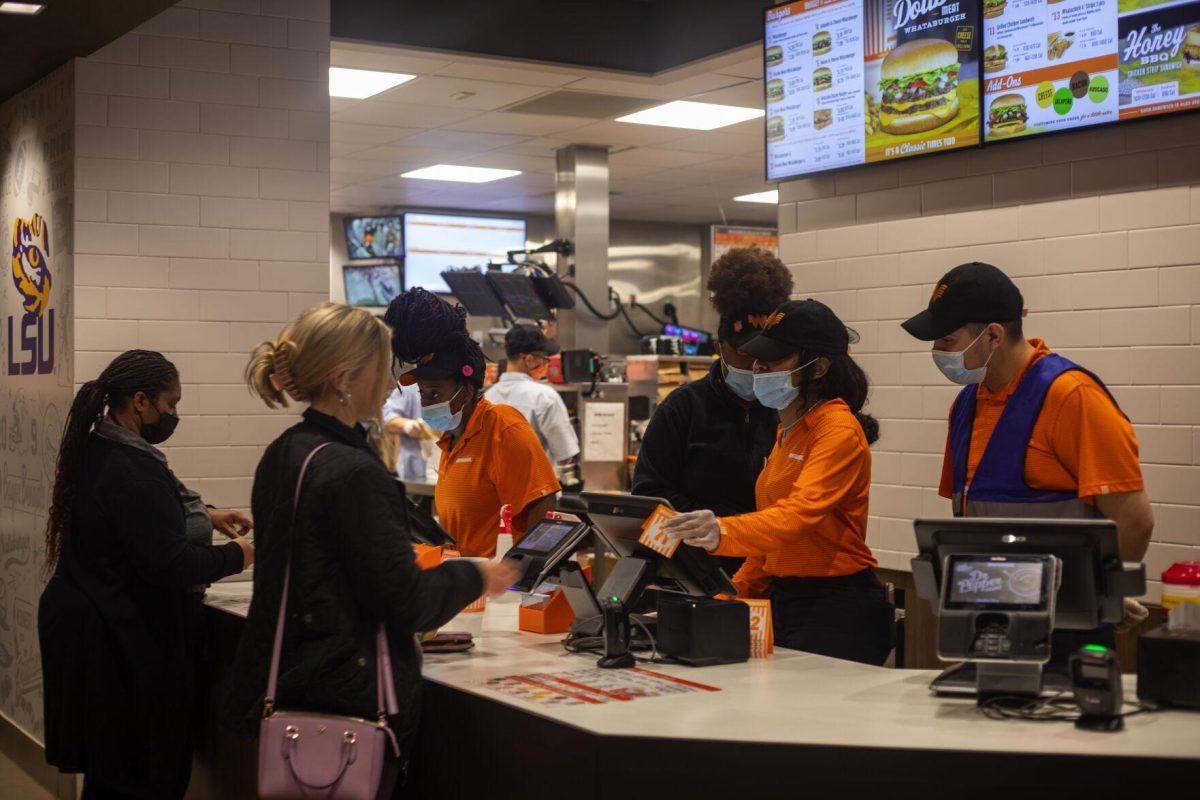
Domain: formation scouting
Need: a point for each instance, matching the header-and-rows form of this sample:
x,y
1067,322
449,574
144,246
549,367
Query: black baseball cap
x,y
740,328
807,325
974,292
522,339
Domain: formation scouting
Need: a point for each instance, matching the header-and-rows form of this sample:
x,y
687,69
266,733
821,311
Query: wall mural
x,y
36,325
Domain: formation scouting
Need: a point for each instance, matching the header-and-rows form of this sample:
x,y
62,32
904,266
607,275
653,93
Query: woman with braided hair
x,y
491,456
127,544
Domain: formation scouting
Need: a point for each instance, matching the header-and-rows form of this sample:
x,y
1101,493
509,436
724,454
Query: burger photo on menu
x,y
775,129
993,8
774,90
995,58
822,79
822,117
774,55
918,86
822,43
1007,115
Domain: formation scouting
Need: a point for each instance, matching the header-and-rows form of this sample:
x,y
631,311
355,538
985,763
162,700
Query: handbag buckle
x,y
291,732
349,737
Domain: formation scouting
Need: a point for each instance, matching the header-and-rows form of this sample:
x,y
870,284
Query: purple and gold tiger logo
x,y
34,332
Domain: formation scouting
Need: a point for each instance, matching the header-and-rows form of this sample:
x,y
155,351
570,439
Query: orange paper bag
x,y
652,532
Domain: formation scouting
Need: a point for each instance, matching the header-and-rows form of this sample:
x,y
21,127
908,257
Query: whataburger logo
x,y
31,277
938,291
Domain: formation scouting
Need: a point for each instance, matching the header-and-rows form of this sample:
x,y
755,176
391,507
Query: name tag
x,y
796,456
464,460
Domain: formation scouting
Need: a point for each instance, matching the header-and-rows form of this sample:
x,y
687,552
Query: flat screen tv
x,y
437,242
371,285
374,237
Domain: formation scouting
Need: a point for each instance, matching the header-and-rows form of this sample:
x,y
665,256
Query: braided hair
x,y
430,332
129,373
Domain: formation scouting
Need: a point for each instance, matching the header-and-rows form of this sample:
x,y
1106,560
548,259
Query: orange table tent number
x,y
547,614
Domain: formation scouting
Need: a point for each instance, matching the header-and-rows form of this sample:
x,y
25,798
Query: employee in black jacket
x,y
114,619
353,565
709,439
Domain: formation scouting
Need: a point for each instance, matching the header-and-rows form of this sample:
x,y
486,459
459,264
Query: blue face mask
x,y
775,390
740,381
439,416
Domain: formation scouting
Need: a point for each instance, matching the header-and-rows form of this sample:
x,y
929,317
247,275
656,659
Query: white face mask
x,y
952,364
739,381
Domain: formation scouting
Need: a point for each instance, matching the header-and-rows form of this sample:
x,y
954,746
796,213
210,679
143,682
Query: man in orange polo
x,y
1032,434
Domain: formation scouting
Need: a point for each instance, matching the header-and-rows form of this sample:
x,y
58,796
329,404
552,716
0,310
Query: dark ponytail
x,y
428,330
129,373
844,379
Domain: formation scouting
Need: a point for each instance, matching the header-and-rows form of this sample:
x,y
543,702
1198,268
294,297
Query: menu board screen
x,y
853,82
1053,65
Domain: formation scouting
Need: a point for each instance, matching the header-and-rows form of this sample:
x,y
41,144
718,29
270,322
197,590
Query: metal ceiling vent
x,y
581,104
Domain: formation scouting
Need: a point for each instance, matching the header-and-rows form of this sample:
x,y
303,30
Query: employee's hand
x,y
696,528
247,551
1135,613
231,523
497,577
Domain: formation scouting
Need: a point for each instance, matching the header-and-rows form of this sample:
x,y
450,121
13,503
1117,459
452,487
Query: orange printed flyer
x,y
652,532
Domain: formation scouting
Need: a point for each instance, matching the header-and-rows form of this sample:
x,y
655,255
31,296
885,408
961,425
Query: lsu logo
x,y
938,291
31,276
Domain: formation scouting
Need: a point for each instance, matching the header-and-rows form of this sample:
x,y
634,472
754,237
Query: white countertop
x,y
788,698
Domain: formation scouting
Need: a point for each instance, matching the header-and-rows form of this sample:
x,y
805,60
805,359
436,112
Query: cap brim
x,y
738,340
766,348
921,327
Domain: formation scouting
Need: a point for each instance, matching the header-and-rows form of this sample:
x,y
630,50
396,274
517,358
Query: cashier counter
x,y
789,724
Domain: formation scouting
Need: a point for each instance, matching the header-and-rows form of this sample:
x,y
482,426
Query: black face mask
x,y
159,432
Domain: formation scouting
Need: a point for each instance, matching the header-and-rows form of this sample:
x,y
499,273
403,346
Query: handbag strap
x,y
385,685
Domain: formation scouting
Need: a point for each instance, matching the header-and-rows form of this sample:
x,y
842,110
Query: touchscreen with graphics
x,y
859,81
1052,65
999,583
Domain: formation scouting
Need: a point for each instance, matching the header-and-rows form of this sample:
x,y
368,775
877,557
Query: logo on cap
x,y
938,291
773,320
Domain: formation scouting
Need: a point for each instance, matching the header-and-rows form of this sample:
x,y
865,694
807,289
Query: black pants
x,y
845,617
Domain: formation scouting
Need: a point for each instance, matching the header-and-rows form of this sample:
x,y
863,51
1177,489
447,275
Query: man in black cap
x,y
1032,434
529,352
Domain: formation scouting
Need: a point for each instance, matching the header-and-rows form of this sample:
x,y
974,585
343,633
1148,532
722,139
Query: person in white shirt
x,y
402,417
529,354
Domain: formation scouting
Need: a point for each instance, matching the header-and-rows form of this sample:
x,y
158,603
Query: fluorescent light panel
x,y
453,172
771,196
28,9
359,84
693,116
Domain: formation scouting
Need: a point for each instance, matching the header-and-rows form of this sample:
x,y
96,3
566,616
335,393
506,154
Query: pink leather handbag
x,y
303,754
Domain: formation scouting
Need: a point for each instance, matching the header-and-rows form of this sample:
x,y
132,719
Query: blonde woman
x,y
352,564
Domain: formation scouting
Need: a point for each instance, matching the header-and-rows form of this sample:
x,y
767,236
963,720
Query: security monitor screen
x,y
1007,583
373,237
546,536
372,286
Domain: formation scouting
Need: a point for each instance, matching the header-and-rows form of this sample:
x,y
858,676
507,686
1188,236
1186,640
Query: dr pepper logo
x,y
31,276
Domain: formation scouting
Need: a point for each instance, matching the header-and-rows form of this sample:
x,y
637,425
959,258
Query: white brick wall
x,y
202,210
1105,246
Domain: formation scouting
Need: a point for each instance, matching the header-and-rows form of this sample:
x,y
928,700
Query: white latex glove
x,y
696,528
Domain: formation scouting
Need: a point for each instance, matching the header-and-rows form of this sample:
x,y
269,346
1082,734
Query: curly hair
x,y
424,324
748,280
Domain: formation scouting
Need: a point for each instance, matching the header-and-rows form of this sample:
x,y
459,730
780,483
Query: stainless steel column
x,y
581,215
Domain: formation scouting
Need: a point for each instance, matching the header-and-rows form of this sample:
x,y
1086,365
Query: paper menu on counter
x,y
652,532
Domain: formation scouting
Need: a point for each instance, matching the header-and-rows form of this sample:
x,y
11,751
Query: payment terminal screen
x,y
996,582
546,536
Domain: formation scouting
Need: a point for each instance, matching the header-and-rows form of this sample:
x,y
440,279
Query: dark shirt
x,y
704,448
353,567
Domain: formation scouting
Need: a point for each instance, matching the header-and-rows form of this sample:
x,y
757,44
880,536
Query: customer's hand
x,y
697,528
1135,613
247,551
497,577
231,523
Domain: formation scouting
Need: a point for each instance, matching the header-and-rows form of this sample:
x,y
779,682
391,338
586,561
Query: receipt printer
x,y
1168,668
700,631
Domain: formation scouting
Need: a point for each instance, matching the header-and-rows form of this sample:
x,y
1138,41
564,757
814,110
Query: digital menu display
x,y
1052,65
861,81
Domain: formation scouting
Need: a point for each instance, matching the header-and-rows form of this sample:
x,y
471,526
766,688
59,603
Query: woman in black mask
x,y
123,543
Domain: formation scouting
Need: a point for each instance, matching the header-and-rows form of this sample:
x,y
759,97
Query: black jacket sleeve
x,y
660,462
367,511
152,535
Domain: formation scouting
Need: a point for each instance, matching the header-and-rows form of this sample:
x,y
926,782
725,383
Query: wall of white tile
x,y
1101,232
202,213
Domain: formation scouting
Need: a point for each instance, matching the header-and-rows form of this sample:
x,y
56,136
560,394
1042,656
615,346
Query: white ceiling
x,y
454,113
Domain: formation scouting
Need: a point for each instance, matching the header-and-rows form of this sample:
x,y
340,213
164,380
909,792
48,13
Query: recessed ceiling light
x,y
28,9
771,196
691,115
452,172
361,83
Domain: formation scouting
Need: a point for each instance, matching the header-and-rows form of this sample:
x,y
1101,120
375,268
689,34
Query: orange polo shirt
x,y
498,460
812,505
1081,441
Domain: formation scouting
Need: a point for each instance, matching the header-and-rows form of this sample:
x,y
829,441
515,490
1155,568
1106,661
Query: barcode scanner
x,y
1096,681
616,635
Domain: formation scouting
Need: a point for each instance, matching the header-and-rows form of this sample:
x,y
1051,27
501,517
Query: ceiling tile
x,y
349,132
385,59
525,124
367,112
612,134
462,141
750,68
660,157
443,91
748,94
542,76
720,143
675,90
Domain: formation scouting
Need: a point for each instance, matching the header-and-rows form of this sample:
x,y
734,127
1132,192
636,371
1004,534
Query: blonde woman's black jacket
x,y
353,566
